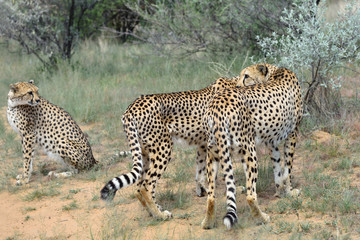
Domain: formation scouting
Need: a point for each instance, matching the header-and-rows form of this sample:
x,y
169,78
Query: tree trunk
x,y
69,32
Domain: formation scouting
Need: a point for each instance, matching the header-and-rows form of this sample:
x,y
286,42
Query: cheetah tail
x,y
124,180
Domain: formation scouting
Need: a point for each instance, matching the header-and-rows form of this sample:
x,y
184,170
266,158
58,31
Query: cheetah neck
x,y
11,104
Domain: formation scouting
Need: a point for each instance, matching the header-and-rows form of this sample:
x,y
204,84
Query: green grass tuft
x,y
179,199
71,206
283,227
41,193
114,228
306,227
328,193
29,209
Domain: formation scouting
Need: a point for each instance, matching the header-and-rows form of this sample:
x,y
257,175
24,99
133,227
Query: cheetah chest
x,y
13,120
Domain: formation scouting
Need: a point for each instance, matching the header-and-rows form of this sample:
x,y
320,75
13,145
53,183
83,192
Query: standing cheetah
x,y
151,123
238,118
38,121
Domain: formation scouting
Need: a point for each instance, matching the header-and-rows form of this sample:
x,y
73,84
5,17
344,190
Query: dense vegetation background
x,y
300,35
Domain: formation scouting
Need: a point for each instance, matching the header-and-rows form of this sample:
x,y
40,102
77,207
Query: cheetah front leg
x,y
275,158
200,178
28,144
289,150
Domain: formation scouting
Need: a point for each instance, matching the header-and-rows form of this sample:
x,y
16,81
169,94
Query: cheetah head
x,y
23,93
255,74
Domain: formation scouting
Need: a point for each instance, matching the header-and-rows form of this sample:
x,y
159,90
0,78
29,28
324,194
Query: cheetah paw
x,y
159,207
294,193
265,218
241,190
277,195
167,214
206,224
20,180
163,215
51,175
201,191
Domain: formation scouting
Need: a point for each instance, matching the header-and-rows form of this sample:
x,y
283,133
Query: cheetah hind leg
x,y
212,169
145,198
137,193
251,179
146,193
67,161
242,189
140,197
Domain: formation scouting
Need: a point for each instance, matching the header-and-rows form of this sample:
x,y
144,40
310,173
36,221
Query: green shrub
x,y
314,49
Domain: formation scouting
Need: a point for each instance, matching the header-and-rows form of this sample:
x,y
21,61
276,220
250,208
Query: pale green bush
x,y
315,48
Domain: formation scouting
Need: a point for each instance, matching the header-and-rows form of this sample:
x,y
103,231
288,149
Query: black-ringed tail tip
x,y
230,219
107,192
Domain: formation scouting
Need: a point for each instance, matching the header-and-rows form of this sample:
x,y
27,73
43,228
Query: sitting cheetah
x,y
238,118
40,122
151,123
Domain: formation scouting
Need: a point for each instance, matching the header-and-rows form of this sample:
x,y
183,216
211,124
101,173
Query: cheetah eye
x,y
31,93
246,76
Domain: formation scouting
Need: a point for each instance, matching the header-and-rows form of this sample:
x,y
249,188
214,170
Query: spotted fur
x,y
151,123
39,122
236,119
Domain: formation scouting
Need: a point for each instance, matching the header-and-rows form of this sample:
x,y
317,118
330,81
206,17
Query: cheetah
x,y
153,122
237,119
40,122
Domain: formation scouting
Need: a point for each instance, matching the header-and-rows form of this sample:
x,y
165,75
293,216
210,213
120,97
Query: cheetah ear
x,y
13,87
263,69
31,81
